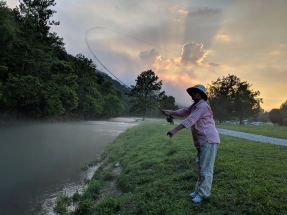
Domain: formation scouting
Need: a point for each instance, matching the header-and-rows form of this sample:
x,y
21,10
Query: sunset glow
x,y
183,42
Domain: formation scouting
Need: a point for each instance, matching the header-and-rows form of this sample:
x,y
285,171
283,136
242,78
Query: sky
x,y
185,42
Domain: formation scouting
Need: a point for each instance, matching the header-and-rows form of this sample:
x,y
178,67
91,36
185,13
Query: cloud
x,y
149,56
12,3
174,8
182,11
205,12
175,84
112,6
224,37
212,64
169,64
193,53
178,9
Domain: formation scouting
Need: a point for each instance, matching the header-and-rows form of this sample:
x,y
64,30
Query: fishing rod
x,y
90,49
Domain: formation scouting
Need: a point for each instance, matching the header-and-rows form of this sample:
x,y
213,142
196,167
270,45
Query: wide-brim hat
x,y
197,88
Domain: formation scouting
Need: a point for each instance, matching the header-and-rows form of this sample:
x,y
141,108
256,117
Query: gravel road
x,y
254,137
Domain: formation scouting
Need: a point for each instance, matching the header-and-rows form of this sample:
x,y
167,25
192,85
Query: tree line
x,y
40,80
279,115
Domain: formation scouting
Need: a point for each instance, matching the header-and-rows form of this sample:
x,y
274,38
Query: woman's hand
x,y
173,131
166,112
170,133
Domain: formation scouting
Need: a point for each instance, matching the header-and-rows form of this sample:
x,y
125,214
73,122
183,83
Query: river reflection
x,y
37,161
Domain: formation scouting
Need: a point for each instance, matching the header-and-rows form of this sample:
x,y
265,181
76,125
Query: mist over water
x,y
39,160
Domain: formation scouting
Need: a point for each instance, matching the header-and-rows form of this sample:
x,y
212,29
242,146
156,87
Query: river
x,y
37,161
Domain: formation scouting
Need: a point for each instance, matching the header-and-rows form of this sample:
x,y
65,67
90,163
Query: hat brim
x,y
192,89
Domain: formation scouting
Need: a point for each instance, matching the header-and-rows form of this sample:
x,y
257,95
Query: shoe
x,y
197,199
192,195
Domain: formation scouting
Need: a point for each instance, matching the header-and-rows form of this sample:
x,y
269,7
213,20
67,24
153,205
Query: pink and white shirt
x,y
200,120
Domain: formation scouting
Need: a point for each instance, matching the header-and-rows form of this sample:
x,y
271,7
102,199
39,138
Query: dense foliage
x,y
263,116
122,91
39,79
232,98
275,116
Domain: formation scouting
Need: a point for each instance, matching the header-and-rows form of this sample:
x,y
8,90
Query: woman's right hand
x,y
166,112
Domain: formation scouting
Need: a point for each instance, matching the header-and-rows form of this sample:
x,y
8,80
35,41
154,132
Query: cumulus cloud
x,y
193,53
205,12
171,63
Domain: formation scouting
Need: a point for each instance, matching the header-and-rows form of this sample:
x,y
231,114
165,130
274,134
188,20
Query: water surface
x,y
39,160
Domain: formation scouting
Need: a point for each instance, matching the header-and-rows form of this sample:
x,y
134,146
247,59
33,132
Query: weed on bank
x,y
158,174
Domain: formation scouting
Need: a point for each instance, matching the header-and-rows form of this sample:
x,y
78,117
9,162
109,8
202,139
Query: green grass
x,y
265,130
159,173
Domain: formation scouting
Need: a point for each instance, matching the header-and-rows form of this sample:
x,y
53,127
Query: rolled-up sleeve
x,y
183,111
193,117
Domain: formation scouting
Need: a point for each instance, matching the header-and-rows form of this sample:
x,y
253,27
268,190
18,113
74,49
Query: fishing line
x,y
88,45
133,38
90,49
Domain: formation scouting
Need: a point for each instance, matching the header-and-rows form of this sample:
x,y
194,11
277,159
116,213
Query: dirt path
x,y
254,137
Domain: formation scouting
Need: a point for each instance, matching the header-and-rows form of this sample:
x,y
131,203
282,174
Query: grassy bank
x,y
158,174
265,130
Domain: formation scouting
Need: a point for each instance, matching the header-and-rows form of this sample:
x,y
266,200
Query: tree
x,y
90,99
168,102
0,90
245,102
220,94
230,97
60,89
27,57
113,106
7,29
122,91
20,91
283,111
263,116
275,116
146,93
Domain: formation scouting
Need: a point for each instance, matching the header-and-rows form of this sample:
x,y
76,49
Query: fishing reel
x,y
170,119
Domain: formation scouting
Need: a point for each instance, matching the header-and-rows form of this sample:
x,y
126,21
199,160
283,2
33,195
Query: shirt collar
x,y
200,101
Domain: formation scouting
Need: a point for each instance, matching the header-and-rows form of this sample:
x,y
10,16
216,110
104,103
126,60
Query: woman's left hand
x,y
170,133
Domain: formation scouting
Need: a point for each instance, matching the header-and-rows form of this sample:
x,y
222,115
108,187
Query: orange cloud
x,y
192,55
184,79
182,11
166,64
173,8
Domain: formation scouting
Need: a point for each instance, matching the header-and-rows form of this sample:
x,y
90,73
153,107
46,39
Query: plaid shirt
x,y
200,120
